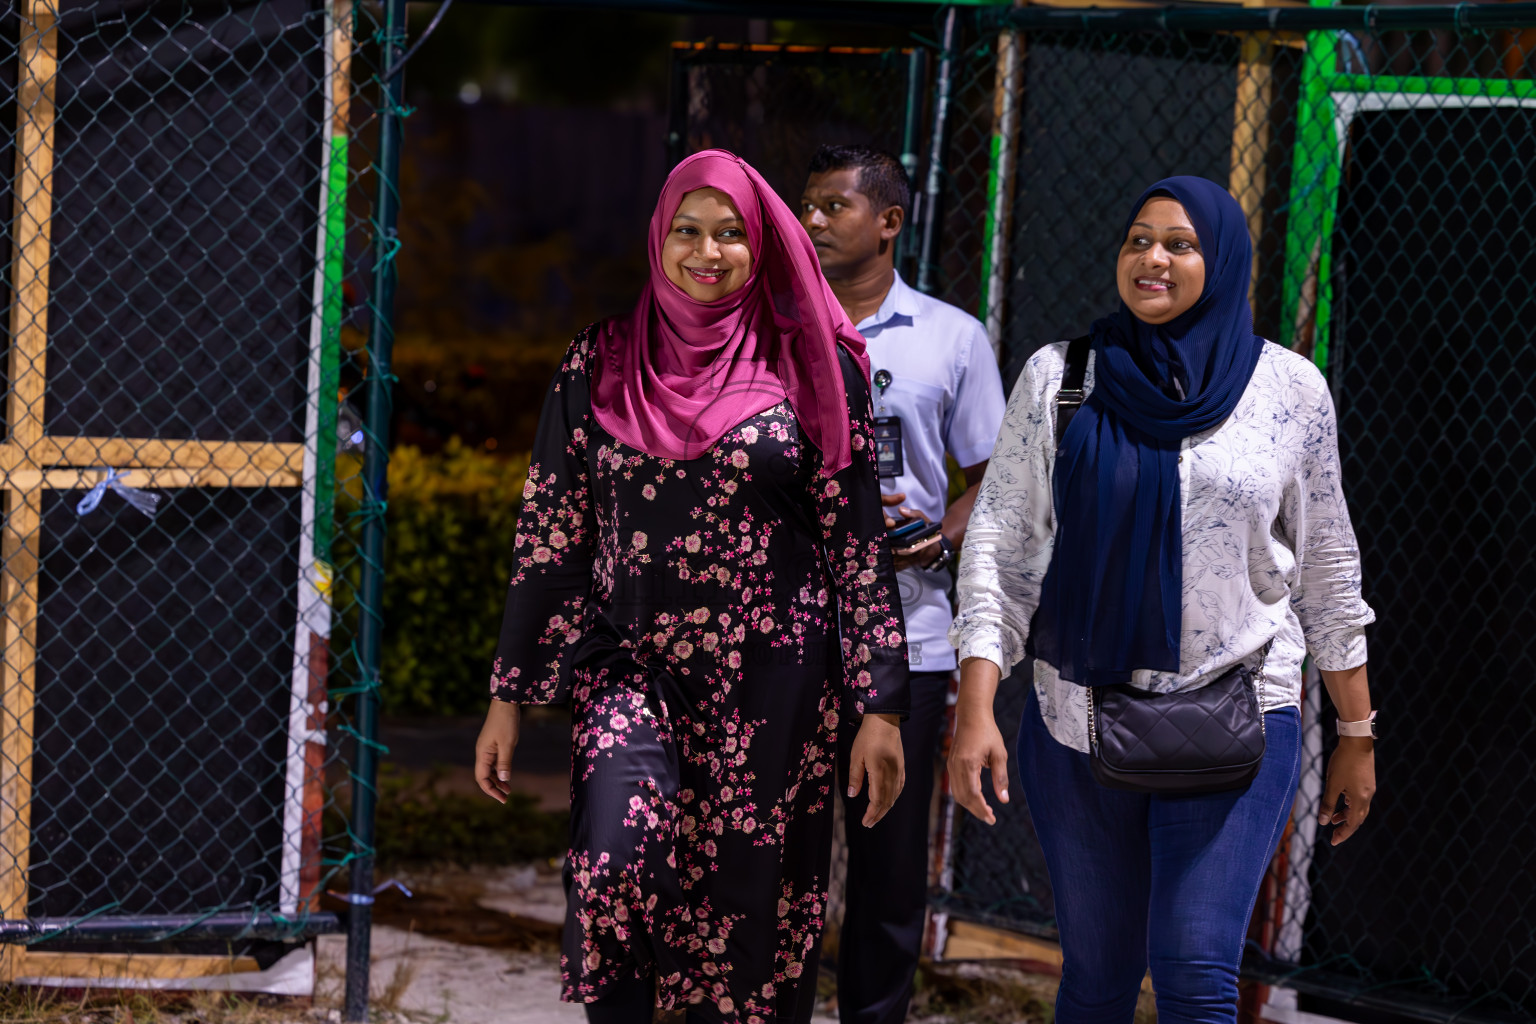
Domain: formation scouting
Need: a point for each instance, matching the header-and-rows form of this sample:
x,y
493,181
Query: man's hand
x,y
493,750
877,754
924,551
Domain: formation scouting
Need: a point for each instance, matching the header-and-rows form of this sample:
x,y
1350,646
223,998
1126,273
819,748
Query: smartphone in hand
x,y
914,531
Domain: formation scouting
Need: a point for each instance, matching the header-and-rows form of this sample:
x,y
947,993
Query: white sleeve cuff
x,y
1339,652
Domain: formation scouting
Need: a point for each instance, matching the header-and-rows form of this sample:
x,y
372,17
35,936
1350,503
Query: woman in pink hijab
x,y
701,570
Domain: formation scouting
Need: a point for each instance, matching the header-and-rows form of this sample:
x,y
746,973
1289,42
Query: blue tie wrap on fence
x,y
142,500
364,899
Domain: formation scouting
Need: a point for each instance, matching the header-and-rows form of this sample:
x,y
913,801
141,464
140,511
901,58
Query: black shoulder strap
x,y
1070,397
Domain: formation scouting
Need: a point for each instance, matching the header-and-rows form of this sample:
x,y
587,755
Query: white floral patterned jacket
x,y
1269,552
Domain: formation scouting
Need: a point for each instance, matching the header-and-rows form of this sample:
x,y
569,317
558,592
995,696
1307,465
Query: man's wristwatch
x,y
946,556
1364,727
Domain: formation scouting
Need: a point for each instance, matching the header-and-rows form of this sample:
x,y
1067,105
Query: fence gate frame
x,y
1329,102
32,462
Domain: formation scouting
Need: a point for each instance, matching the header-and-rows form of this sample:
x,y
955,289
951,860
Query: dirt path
x,y
434,980
469,948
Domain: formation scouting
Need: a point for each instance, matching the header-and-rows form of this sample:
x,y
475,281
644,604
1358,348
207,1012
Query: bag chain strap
x,y
1260,679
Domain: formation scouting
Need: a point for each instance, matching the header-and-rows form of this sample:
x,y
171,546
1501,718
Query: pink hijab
x,y
676,374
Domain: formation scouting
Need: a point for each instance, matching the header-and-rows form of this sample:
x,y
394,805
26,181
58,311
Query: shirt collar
x,y
900,301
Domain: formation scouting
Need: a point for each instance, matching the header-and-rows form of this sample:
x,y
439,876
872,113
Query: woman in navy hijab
x,y
1192,521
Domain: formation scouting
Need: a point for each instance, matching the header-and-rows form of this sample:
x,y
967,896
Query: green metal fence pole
x,y
1314,181
1000,187
365,769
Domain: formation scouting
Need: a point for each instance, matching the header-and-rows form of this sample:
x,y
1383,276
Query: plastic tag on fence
x,y
145,501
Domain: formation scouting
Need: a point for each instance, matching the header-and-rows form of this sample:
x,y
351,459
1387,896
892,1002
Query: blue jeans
x,y
1169,880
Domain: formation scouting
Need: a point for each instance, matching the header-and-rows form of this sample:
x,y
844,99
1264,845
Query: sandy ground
x,y
482,947
476,948
435,980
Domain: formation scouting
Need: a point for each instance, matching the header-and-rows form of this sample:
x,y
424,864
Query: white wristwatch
x,y
1366,727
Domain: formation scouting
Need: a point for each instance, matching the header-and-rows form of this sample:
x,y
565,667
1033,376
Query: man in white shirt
x,y
936,392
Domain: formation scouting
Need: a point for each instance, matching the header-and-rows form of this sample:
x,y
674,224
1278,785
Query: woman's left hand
x,y
877,754
1350,786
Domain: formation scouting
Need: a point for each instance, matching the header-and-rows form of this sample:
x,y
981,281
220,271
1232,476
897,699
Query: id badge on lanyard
x,y
888,453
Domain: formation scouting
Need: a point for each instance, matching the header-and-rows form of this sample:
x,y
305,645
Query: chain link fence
x,y
191,543
1388,169
194,189
1386,158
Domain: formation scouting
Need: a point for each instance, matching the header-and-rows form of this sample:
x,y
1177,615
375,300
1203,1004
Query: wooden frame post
x,y
1251,136
32,462
39,61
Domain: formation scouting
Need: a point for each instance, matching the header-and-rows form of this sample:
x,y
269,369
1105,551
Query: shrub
x,y
450,519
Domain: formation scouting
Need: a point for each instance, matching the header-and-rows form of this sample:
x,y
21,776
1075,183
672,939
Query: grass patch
x,y
106,1006
972,993
419,825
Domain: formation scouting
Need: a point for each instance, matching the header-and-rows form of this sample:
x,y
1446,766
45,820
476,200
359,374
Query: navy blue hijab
x,y
1111,601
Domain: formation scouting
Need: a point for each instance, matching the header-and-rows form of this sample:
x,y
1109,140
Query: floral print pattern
x,y
711,622
1269,552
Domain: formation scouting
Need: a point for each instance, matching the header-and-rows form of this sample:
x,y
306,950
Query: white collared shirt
x,y
946,388
1269,552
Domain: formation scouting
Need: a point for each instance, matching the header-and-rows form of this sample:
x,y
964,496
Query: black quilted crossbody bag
x,y
1191,741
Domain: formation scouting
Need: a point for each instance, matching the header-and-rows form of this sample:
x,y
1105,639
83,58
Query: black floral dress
x,y
709,620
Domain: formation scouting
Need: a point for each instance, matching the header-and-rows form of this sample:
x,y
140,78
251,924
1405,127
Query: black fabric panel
x,y
186,186
1436,383
165,653
1087,151
10,28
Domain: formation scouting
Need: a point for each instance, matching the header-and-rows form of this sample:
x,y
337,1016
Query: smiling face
x,y
1161,271
706,253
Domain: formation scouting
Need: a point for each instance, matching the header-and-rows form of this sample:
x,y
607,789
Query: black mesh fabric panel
x,y
188,143
1436,385
165,662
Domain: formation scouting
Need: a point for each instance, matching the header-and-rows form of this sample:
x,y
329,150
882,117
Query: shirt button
x,y
1181,458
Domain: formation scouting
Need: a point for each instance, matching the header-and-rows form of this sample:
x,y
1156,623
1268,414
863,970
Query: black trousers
x,y
886,893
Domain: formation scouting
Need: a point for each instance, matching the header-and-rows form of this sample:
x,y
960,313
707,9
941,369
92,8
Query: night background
x,y
532,163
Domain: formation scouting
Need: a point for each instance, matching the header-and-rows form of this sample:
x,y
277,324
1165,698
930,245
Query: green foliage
x,y
417,824
450,522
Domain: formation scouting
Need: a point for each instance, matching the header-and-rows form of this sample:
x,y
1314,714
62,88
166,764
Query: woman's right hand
x,y
493,750
978,743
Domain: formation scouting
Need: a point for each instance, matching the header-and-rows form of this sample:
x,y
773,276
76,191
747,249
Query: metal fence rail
x,y
190,547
